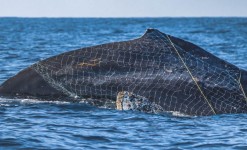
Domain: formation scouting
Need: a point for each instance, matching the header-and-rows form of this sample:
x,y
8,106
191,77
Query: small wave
x,y
7,142
117,31
7,101
178,114
197,31
221,31
93,138
134,118
243,24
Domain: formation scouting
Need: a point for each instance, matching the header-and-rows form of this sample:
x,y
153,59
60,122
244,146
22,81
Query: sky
x,y
123,8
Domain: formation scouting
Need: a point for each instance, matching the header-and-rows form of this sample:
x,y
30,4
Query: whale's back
x,y
174,74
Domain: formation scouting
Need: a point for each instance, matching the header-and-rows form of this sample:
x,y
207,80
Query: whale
x,y
155,71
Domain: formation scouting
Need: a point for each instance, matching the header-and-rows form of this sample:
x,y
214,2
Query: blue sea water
x,y
32,124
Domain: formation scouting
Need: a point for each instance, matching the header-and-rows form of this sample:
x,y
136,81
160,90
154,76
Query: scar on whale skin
x,y
93,62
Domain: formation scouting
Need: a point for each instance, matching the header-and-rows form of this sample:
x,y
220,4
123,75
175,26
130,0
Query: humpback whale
x,y
156,71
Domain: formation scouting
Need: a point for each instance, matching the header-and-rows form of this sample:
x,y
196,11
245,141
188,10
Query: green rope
x,y
210,105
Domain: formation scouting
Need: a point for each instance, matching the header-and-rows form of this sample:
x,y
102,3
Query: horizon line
x,y
121,17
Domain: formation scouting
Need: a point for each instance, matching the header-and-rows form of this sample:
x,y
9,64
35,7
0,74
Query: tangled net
x,y
171,73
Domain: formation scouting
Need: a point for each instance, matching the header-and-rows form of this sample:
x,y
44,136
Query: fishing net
x,y
170,72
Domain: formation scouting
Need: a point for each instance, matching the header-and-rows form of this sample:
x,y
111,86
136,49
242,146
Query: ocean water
x,y
32,124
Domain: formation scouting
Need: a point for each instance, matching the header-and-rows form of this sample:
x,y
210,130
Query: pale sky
x,y
123,8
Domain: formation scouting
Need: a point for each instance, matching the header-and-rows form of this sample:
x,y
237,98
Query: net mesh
x,y
156,66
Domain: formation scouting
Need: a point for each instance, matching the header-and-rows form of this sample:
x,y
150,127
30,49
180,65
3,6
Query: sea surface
x,y
32,124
